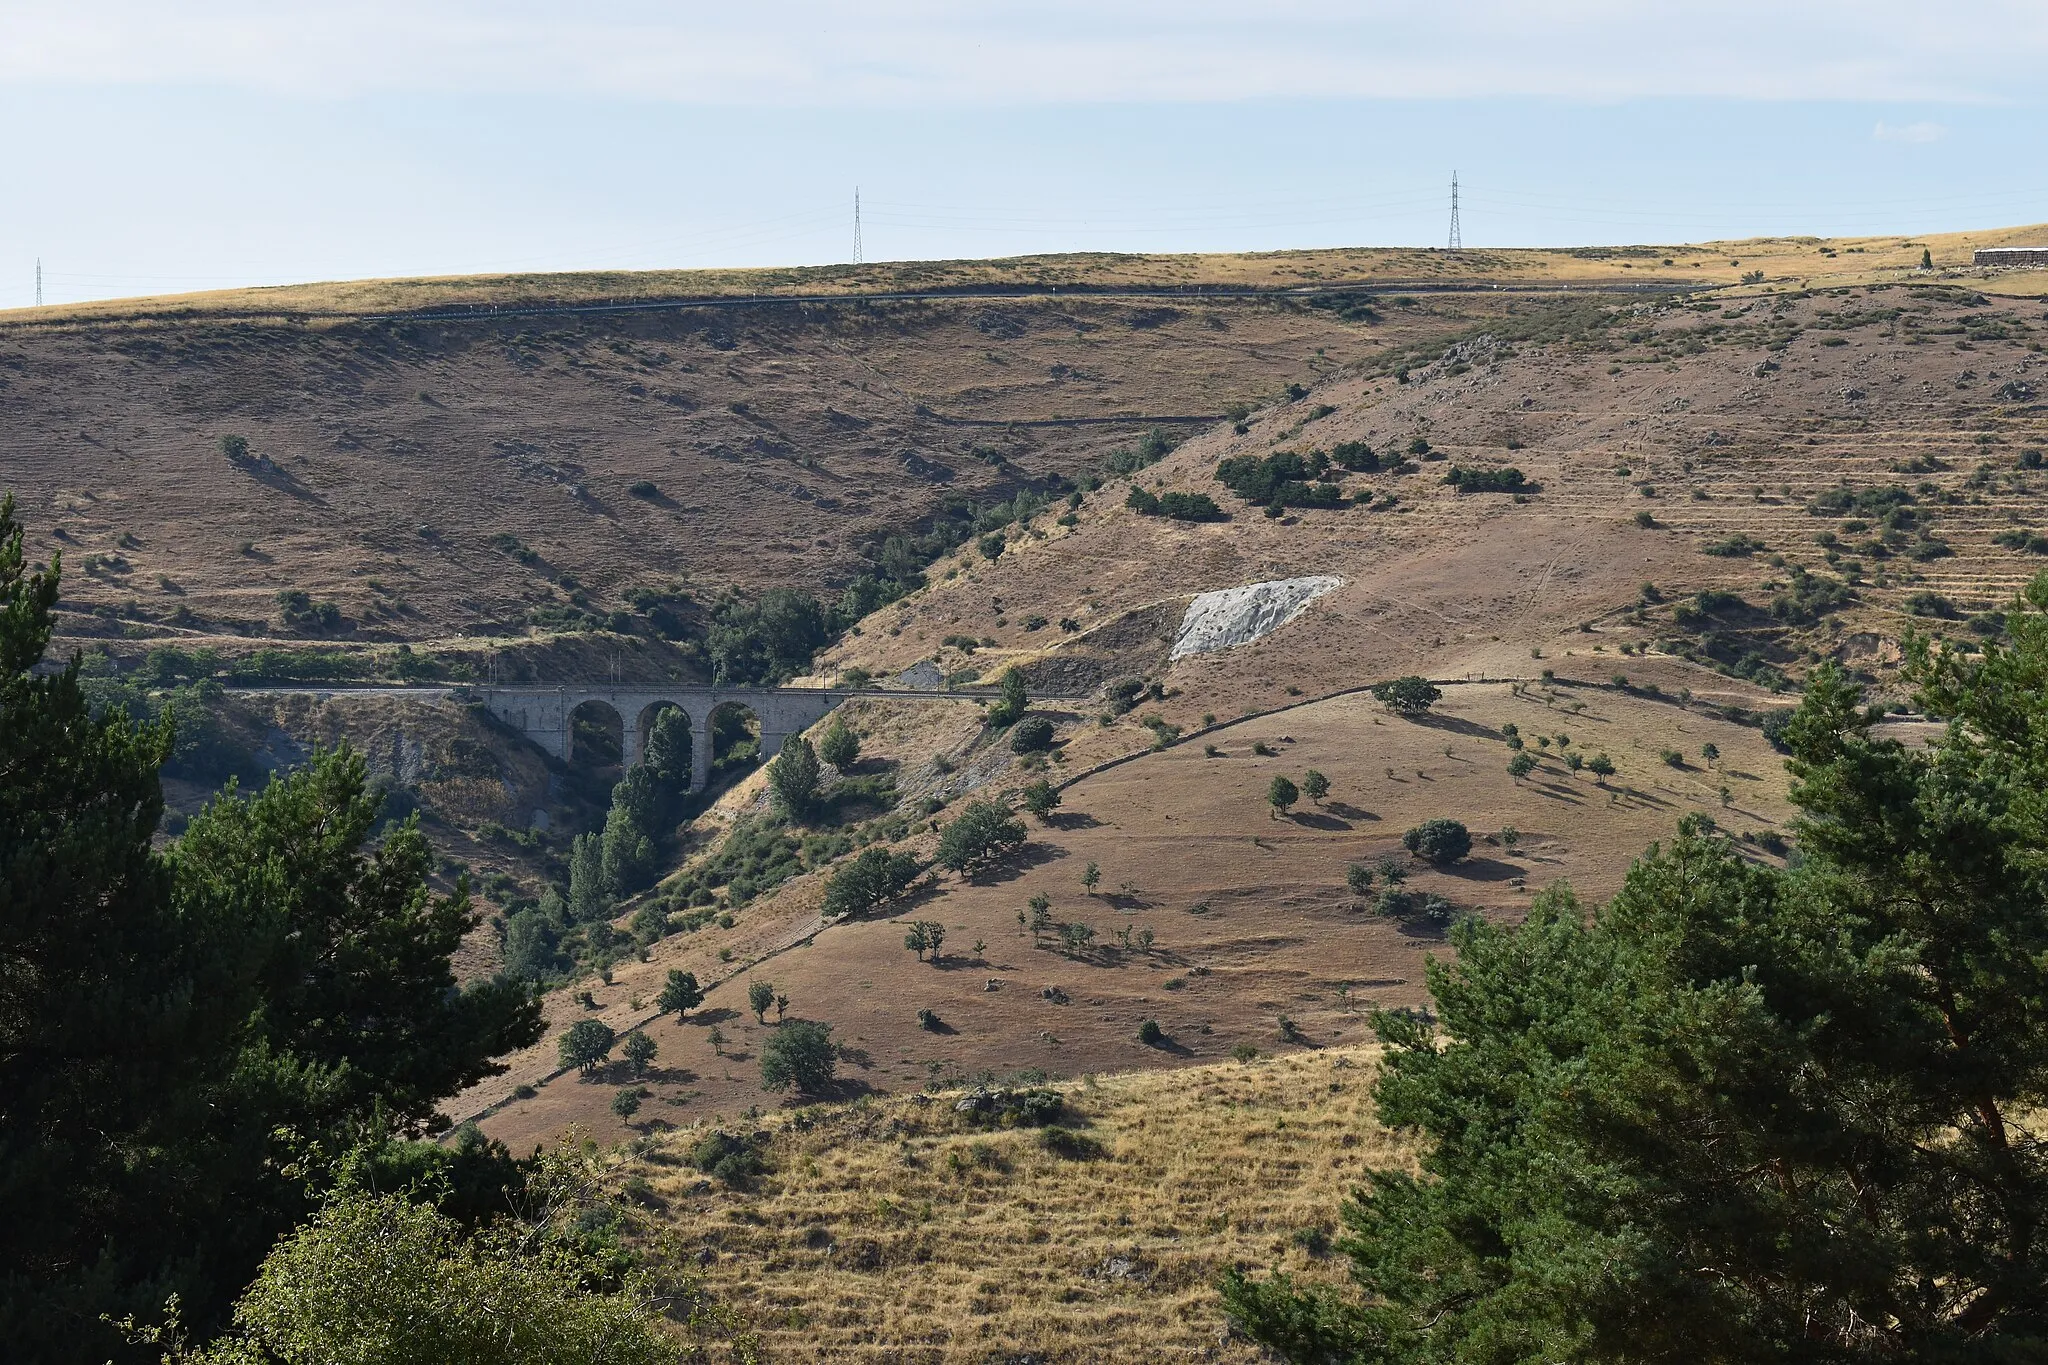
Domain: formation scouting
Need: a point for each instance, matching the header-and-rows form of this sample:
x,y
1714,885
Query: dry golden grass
x,y
892,1231
1803,261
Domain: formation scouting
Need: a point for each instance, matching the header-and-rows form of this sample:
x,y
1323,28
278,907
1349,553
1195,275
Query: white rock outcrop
x,y
1238,616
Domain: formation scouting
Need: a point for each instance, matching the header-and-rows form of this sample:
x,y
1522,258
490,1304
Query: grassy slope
x,y
413,461
1251,916
888,1232
1782,259
1473,585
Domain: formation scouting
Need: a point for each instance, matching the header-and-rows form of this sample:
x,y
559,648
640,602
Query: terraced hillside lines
x,y
1249,916
1701,440
893,1231
487,478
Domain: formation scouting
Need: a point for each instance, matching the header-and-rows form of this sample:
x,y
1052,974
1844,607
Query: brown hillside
x,y
1717,423
1250,916
476,478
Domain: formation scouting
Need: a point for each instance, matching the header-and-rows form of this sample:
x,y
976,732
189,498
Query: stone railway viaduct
x,y
546,715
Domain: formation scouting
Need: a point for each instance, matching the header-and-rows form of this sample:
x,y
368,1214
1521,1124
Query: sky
x,y
158,148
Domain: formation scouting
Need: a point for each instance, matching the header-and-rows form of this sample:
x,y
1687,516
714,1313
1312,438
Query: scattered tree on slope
x,y
1741,1113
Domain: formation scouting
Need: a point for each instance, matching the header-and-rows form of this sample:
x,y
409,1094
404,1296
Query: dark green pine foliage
x,y
190,1042
1740,1114
360,1021
108,1017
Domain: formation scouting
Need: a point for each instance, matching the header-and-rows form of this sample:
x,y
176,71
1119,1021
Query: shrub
x,y
981,833
799,1055
990,545
1671,757
1409,695
1150,1034
296,608
1244,1054
1508,480
1032,735
731,1159
1931,604
1646,519
929,1021
1601,766
1439,841
1073,1146
1737,546
1008,709
839,746
1189,507
643,489
1358,879
1041,798
1356,456
391,1278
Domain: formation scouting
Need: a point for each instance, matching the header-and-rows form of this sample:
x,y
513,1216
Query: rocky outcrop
x,y
1238,616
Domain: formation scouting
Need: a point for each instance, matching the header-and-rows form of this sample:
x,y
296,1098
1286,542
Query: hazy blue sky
x,y
162,147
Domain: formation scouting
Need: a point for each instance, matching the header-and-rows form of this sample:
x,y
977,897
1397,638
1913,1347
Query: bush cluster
x,y
1174,506
1508,480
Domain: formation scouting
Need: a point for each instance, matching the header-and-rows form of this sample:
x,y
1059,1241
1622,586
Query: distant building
x,y
2011,255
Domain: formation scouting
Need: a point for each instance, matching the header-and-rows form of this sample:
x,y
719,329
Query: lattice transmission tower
x,y
1457,234
856,225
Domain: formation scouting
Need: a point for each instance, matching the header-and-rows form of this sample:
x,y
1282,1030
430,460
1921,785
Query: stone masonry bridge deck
x,y
545,714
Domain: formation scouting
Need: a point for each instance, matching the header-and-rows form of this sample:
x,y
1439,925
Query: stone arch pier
x,y
543,714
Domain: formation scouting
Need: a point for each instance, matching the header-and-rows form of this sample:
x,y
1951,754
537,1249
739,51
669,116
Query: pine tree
x,y
108,1020
1741,1113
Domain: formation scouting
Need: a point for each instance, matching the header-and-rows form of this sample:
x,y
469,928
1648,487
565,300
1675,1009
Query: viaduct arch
x,y
543,714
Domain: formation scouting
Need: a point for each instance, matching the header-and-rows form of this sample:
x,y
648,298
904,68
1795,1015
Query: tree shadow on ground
x,y
1483,869
841,1088
1456,725
1347,811
1015,865
1559,791
1072,819
1318,820
720,1015
1171,1047
670,1075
